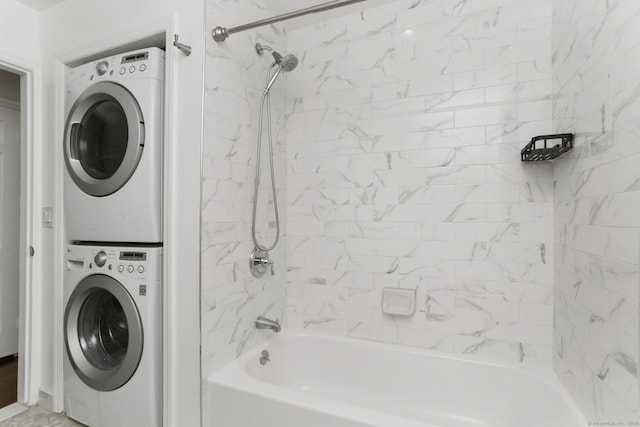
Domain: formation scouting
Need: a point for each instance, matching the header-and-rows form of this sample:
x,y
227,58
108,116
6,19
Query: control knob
x,y
100,259
102,67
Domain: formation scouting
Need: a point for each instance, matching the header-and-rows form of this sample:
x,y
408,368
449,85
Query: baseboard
x,y
45,400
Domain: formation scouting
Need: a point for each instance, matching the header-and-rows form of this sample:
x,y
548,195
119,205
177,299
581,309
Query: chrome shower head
x,y
288,62
285,63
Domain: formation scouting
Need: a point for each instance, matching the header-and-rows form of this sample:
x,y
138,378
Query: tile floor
x,y
39,417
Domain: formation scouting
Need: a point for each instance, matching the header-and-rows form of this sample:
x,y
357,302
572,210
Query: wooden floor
x,y
8,380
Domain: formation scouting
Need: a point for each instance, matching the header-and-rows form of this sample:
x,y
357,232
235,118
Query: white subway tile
x,y
486,115
403,170
486,77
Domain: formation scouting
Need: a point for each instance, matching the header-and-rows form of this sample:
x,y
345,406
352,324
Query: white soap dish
x,y
399,301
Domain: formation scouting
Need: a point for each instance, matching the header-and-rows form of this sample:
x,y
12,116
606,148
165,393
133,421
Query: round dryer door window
x,y
104,138
103,333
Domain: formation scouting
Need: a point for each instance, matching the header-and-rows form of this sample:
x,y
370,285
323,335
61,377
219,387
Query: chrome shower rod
x,y
220,34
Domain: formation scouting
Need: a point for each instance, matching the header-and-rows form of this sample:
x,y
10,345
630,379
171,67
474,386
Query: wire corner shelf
x,y
547,147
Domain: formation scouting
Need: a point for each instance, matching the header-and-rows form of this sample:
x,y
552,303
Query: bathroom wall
x,y
596,46
404,128
234,80
21,22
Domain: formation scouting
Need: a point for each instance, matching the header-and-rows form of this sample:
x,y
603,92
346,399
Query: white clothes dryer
x,y
113,336
113,149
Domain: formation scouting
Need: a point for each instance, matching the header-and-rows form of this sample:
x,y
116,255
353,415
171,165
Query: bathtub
x,y
315,380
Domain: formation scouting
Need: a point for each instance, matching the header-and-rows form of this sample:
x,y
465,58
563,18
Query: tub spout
x,y
264,323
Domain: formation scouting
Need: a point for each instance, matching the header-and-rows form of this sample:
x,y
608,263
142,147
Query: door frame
x,y
30,230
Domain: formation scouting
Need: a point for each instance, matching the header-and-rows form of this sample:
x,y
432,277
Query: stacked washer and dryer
x,y
113,215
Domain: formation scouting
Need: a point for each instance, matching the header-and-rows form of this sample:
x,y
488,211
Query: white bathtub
x,y
317,380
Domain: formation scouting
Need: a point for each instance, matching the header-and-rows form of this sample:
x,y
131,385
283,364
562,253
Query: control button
x,y
132,68
142,67
120,268
110,267
111,73
102,67
140,269
90,265
123,70
91,77
100,259
130,269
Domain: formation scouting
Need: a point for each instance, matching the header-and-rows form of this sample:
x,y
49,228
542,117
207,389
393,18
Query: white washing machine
x,y
113,336
113,149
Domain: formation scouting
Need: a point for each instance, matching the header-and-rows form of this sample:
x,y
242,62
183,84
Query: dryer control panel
x,y
140,263
144,63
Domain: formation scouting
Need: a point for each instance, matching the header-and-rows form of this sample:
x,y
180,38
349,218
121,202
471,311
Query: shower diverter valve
x,y
259,262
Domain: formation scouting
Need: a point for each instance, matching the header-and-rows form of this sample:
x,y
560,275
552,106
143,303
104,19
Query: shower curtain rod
x,y
220,34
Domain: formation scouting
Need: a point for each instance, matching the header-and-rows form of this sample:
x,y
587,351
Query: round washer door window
x,y
103,333
104,139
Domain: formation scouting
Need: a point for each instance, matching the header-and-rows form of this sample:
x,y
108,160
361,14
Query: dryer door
x,y
103,139
103,333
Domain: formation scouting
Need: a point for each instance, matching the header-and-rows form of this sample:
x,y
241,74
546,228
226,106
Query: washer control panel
x,y
144,263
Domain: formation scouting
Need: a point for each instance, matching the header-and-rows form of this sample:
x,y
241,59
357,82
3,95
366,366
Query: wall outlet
x,y
47,217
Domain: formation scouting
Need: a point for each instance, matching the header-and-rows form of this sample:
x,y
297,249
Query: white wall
x,y
20,32
81,27
596,48
404,170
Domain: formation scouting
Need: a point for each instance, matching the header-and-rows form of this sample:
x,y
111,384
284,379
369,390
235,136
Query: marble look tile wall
x,y
596,46
234,81
404,129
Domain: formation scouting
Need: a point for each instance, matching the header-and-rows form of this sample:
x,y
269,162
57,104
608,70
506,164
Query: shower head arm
x,y
260,48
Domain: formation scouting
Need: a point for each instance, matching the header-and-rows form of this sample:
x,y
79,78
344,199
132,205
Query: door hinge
x,y
32,251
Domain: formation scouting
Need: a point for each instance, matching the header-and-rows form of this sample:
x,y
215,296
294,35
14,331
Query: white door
x,y
9,228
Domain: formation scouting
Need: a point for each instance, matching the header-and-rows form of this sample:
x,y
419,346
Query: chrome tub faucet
x,y
264,323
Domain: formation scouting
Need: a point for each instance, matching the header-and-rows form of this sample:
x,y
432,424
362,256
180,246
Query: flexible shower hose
x,y
265,99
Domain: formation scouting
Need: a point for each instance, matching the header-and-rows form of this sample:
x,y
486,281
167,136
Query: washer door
x,y
103,333
103,139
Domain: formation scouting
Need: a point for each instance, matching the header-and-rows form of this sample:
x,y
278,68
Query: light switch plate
x,y
47,217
